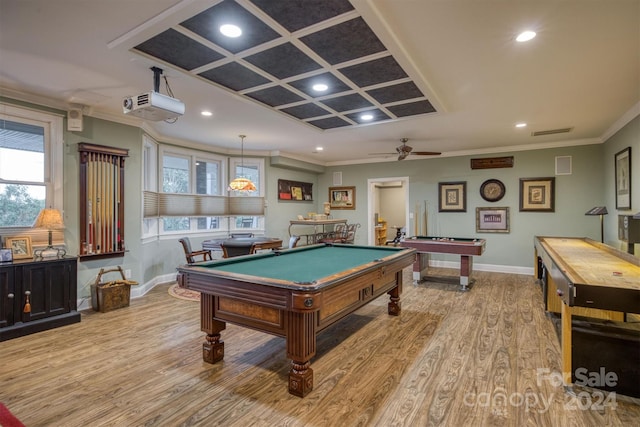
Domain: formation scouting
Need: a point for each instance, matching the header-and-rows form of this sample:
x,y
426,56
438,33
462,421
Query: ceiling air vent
x,y
550,131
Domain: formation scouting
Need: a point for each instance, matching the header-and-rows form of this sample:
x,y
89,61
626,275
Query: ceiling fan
x,y
404,150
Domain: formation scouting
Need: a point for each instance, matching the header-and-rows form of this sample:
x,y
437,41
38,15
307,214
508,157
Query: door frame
x,y
372,199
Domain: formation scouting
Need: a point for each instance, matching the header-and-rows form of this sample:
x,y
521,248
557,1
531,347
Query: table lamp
x,y
602,211
49,219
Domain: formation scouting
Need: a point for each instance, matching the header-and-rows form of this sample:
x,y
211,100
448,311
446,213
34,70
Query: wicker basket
x,y
111,295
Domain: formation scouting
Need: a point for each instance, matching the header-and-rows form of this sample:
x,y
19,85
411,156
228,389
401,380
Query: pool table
x,y
294,293
465,247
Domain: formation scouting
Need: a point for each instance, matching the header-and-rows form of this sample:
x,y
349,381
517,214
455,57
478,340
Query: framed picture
x,y
6,255
453,196
537,194
296,193
20,247
342,197
492,220
623,179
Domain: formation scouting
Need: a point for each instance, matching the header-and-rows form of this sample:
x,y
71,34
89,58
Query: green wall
x,y
591,184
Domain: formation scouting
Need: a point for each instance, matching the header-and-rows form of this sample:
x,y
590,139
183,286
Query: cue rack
x,y
101,201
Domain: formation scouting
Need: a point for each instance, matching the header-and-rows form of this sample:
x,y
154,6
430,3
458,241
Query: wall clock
x,y
492,190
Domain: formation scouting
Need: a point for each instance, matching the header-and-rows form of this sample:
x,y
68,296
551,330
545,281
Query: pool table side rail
x,y
448,247
205,269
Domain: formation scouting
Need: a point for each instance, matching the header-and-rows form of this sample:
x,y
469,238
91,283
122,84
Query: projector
x,y
153,106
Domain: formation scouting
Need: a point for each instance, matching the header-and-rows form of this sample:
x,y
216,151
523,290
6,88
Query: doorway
x,y
388,200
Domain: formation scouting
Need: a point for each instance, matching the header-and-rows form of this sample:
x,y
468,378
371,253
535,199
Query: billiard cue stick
x,y
99,206
107,206
87,248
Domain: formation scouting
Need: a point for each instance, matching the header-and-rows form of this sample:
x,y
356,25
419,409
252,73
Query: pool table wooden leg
x,y
466,267
301,347
213,348
394,306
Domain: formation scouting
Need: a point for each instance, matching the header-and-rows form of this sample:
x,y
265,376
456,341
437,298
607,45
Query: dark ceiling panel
x,y
335,85
343,42
207,24
305,111
394,93
297,14
374,72
273,65
275,96
329,123
179,50
353,101
283,61
412,108
234,76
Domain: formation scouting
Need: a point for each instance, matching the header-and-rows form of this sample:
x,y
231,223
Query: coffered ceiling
x,y
448,75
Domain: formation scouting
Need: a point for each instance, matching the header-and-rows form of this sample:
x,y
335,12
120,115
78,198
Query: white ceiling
x,y
582,71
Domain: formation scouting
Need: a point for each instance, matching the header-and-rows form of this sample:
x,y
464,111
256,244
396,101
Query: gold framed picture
x,y
537,194
342,197
20,247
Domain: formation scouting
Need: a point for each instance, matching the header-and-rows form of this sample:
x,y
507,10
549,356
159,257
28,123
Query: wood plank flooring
x,y
450,359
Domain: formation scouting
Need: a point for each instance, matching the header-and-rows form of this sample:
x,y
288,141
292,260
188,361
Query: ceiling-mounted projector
x,y
153,106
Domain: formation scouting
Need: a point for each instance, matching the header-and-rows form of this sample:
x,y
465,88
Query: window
x,y
188,172
30,165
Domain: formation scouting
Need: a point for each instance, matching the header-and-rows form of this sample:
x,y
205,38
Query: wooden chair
x,y
293,241
343,233
191,255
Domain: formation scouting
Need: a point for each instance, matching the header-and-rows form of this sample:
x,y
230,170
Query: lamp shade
x,y
242,184
598,210
49,219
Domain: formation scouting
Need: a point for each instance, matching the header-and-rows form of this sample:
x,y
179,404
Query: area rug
x,y
7,419
182,293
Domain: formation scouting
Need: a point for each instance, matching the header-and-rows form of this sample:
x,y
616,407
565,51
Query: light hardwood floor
x,y
449,359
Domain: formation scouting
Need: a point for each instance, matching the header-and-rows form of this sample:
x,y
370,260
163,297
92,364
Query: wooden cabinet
x,y
37,295
381,232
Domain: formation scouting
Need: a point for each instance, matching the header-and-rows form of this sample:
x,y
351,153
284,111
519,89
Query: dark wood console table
x,y
50,288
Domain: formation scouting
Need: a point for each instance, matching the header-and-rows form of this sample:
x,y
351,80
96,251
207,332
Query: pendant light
x,y
241,183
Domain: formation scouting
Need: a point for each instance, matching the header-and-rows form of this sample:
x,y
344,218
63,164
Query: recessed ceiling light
x,y
207,113
525,36
521,125
320,87
230,30
319,148
366,116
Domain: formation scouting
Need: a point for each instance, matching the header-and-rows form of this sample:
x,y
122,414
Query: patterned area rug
x,y
181,293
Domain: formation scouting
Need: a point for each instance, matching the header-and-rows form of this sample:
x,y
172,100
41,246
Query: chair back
x,y
186,246
350,232
234,235
232,251
190,255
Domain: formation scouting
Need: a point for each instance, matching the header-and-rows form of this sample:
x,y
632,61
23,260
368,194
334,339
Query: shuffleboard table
x,y
466,248
583,273
293,293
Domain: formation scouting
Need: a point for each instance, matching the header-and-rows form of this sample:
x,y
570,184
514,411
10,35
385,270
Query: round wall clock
x,y
492,190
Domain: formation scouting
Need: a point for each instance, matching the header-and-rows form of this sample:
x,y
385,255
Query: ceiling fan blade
x,y
382,154
426,153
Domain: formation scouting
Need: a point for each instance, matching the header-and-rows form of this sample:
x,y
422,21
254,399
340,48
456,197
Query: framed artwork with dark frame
x,y
20,247
537,194
453,196
623,179
492,220
342,197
